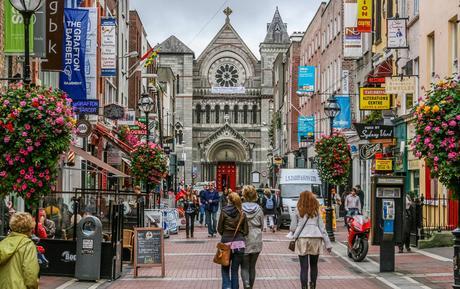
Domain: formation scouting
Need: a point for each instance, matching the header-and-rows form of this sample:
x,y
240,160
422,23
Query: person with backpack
x,y
268,206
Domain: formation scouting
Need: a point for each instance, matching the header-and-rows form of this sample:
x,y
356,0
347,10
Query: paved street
x,y
189,265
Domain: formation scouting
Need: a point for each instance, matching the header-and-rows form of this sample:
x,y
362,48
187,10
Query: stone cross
x,y
227,12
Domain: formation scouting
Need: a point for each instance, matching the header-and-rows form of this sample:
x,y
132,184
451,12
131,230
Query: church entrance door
x,y
226,176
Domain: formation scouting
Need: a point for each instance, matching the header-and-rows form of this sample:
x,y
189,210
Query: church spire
x,y
277,30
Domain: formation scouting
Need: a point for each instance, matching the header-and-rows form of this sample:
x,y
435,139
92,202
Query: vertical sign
x,y
352,38
365,16
397,36
306,129
306,79
72,78
345,82
343,119
40,32
14,30
54,32
91,54
108,47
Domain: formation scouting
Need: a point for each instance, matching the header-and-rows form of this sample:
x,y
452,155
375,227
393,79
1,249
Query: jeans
x,y
248,269
230,276
189,222
269,221
202,213
350,213
211,222
304,264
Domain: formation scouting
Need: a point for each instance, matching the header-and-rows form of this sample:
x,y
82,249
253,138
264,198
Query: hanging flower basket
x,y
437,136
333,159
36,125
149,162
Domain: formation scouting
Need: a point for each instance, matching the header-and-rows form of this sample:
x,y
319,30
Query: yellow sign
x,y
383,165
373,98
278,161
364,16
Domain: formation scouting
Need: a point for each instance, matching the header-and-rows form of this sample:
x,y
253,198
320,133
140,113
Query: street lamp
x,y
331,110
27,8
146,105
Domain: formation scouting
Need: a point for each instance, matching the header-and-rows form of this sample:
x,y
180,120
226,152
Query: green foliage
x,y
149,162
36,126
333,159
374,117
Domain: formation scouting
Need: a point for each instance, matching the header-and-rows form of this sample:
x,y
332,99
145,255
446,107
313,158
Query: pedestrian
x,y
279,207
352,204
140,199
211,201
18,255
48,225
255,217
190,206
269,205
223,198
360,195
202,205
233,227
408,221
308,230
336,202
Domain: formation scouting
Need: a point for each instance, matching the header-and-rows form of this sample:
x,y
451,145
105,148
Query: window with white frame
x,y
454,44
416,7
402,8
431,56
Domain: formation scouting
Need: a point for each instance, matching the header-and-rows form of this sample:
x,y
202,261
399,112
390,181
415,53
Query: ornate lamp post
x,y
331,110
27,8
146,105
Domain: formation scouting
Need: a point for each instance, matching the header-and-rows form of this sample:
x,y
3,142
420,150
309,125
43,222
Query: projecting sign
x,y
400,85
108,47
368,132
114,111
306,129
83,128
86,106
365,16
54,34
306,79
383,165
373,98
368,151
397,33
343,119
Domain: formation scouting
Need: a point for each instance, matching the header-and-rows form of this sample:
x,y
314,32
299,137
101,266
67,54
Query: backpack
x,y
269,205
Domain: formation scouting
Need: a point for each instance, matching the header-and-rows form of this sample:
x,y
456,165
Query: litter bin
x,y
89,242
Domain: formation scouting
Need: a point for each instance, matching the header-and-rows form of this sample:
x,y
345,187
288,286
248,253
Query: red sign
x,y
376,79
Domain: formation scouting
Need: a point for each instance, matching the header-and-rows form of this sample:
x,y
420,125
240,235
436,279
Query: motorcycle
x,y
359,227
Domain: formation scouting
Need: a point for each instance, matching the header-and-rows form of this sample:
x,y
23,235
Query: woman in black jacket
x,y
190,208
233,227
269,208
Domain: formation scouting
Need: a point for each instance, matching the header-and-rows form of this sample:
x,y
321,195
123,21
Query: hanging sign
x,y
345,82
383,165
108,47
14,30
306,79
373,98
368,151
368,132
377,80
343,119
114,111
40,32
365,16
72,78
54,34
86,106
91,54
400,85
397,33
306,129
83,128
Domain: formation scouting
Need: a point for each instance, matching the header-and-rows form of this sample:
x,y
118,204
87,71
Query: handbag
x,y
292,243
223,253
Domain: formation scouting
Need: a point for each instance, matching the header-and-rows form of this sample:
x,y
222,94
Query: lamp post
x,y
146,105
331,110
27,8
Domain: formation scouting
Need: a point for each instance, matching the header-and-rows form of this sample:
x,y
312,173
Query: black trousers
x,y
248,269
189,222
308,261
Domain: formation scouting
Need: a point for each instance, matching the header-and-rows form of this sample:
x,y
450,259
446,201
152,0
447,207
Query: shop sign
x,y
114,111
383,165
368,151
306,129
400,85
54,34
83,128
373,98
352,38
278,161
368,132
108,47
365,16
86,106
397,33
376,79
306,79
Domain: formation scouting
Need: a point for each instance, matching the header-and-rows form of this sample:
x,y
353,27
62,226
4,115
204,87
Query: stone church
x,y
223,105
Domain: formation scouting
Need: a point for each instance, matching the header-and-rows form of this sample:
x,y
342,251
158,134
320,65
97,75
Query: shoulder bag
x,y
292,243
223,253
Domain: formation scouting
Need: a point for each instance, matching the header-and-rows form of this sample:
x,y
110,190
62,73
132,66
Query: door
x,y
226,176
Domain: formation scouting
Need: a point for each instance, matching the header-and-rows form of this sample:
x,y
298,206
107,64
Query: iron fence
x,y
438,214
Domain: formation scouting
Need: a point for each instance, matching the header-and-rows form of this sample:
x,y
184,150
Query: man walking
x,y
360,195
202,205
352,204
211,201
279,206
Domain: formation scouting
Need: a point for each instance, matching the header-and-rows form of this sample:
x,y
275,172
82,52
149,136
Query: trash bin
x,y
89,242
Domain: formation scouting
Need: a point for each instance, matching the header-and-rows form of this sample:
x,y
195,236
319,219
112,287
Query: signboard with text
x,y
397,33
368,132
352,38
54,34
374,98
14,30
86,106
400,85
365,16
306,79
343,119
306,129
108,47
383,165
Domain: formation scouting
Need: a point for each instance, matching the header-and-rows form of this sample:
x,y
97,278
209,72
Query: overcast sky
x,y
196,22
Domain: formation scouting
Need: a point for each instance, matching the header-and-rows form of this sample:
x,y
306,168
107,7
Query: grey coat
x,y
255,217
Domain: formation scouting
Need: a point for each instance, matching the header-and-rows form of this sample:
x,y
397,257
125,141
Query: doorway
x,y
226,176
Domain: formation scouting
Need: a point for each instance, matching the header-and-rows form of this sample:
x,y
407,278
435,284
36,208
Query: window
x,y
389,9
454,44
245,114
217,113
198,113
378,21
254,114
235,114
431,56
208,113
409,102
402,8
226,110
416,7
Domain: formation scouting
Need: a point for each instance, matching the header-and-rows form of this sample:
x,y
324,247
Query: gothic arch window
x,y
217,113
254,114
179,136
235,113
245,114
226,110
208,113
198,113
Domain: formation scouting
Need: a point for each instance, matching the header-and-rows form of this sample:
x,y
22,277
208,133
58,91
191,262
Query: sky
x,y
196,22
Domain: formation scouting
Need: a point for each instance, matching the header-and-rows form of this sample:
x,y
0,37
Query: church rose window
x,y
227,75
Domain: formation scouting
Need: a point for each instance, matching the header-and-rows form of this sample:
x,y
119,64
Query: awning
x,y
127,161
105,132
98,162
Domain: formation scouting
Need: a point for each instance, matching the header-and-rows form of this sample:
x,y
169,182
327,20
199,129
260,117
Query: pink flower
x,y
450,132
418,154
2,174
40,184
452,155
431,146
60,120
427,128
22,172
437,129
22,103
444,125
24,186
27,126
427,141
24,133
6,139
436,159
452,123
457,117
6,102
37,144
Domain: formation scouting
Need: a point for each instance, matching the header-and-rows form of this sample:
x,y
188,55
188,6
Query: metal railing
x,y
438,214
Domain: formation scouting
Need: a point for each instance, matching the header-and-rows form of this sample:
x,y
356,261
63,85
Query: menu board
x,y
148,248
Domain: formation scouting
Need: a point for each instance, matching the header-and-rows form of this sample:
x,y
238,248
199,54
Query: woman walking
x,y
18,255
190,208
255,217
309,233
233,227
269,206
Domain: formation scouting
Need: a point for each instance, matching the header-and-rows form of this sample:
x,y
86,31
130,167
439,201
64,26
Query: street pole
x,y
329,229
147,135
26,68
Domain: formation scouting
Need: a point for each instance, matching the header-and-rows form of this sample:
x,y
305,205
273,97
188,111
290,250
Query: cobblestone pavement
x,y
189,265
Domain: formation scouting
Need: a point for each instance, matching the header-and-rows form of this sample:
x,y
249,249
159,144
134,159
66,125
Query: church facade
x,y
223,105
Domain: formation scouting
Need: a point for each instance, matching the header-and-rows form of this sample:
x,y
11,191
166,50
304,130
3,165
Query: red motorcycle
x,y
359,227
